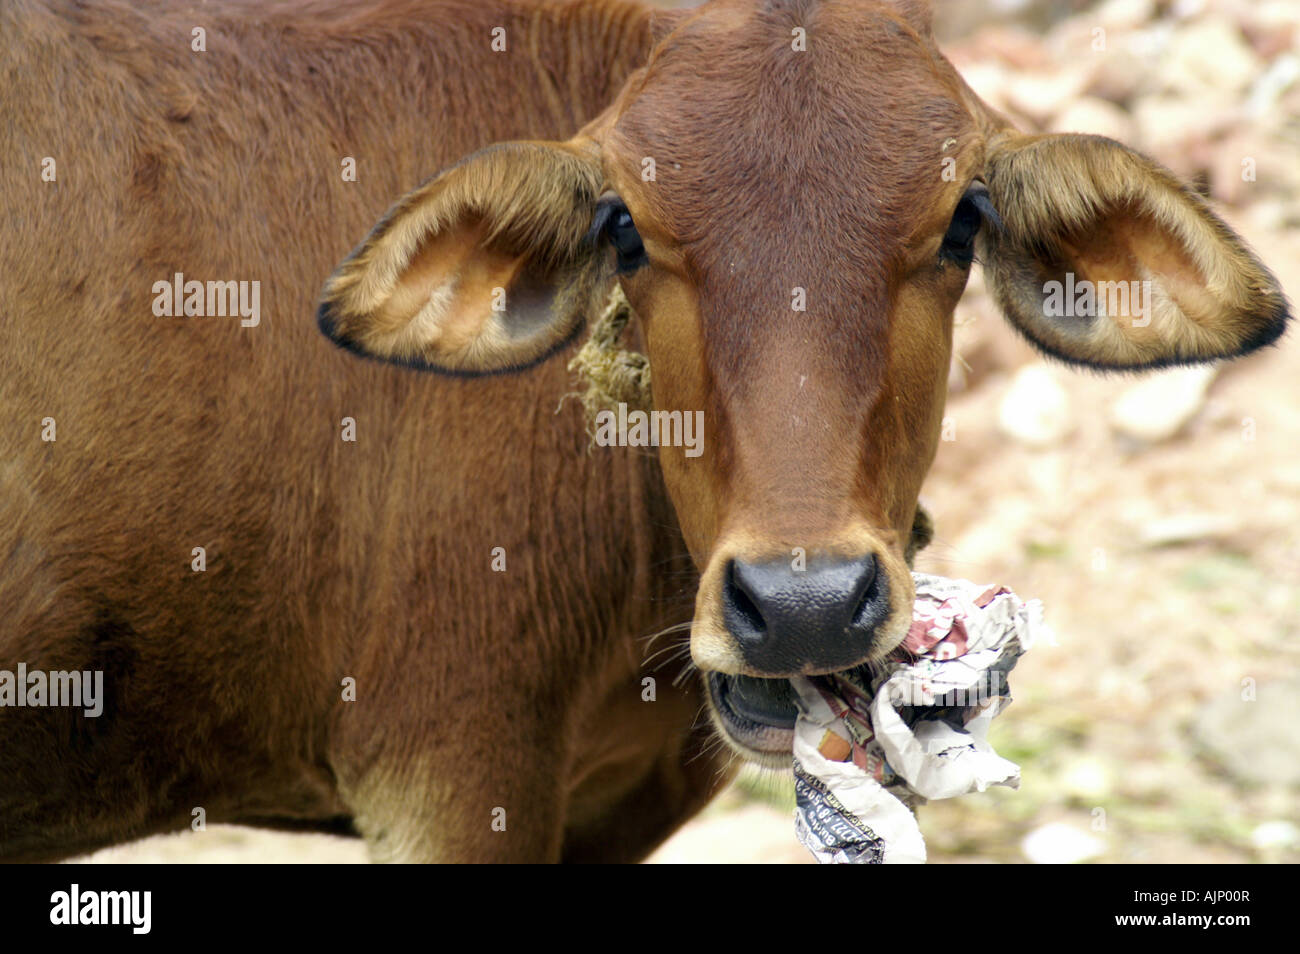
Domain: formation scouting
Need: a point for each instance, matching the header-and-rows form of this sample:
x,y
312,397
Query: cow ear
x,y
1105,259
484,269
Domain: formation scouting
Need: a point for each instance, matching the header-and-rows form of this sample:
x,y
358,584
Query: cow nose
x,y
819,619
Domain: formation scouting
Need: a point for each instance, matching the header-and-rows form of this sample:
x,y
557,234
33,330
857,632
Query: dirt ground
x,y
1162,727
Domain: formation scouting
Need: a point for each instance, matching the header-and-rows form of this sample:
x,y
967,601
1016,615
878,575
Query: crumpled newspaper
x,y
871,744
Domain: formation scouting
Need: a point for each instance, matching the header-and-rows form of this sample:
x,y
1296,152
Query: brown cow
x,y
499,714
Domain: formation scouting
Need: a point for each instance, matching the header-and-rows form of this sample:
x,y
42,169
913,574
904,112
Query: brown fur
x,y
325,559
476,690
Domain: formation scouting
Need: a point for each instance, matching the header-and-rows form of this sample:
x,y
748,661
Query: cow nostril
x,y
823,617
868,595
741,612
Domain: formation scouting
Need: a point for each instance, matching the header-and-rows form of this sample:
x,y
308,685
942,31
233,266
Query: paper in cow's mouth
x,y
871,744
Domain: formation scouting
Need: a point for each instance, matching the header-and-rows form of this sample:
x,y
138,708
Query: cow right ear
x,y
1104,259
484,269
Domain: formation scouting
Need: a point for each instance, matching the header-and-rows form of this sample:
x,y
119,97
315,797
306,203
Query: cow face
x,y
791,196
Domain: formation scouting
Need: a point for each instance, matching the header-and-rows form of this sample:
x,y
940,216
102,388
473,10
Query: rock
x,y
1249,167
1170,126
1041,94
1275,834
1086,778
1036,408
1276,13
1116,75
1233,179
1157,407
1188,9
1266,93
1209,55
1013,45
1061,844
1257,741
1275,216
989,81
985,543
1089,114
1149,44
1269,42
1123,14
1185,528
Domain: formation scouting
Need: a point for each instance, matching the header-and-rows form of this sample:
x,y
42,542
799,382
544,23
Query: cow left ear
x,y
484,269
1105,259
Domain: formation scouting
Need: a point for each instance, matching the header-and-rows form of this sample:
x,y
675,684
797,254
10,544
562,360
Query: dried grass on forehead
x,y
610,374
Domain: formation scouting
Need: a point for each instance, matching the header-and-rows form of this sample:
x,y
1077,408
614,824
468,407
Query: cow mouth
x,y
756,716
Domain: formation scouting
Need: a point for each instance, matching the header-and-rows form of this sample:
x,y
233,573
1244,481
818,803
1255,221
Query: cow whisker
x,y
689,669
677,652
675,628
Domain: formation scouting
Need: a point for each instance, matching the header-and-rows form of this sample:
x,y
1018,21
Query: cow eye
x,y
617,227
959,241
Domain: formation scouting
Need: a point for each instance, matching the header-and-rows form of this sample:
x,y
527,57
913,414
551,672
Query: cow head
x,y
791,196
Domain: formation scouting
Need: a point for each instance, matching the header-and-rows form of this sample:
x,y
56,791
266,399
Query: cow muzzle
x,y
815,619
761,620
